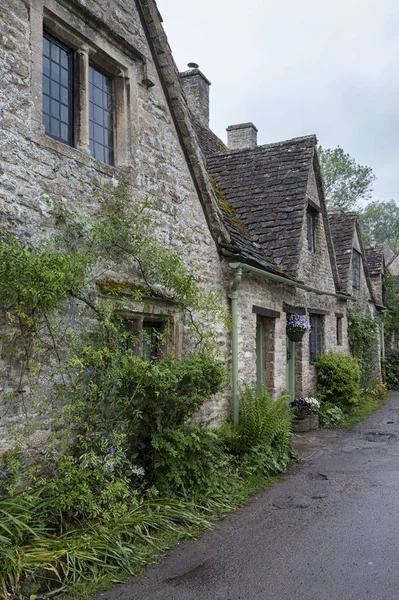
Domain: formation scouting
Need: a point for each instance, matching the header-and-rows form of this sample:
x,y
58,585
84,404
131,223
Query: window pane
x,y
46,85
64,59
46,66
46,104
64,113
64,77
64,131
101,116
55,71
99,151
57,87
55,127
55,90
46,47
64,95
55,52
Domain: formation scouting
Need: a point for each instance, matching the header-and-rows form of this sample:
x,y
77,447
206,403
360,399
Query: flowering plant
x,y
314,404
300,406
297,323
305,406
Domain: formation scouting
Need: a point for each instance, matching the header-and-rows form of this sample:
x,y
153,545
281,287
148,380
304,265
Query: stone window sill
x,y
81,156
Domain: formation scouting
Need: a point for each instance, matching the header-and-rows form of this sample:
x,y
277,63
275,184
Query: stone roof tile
x,y
267,186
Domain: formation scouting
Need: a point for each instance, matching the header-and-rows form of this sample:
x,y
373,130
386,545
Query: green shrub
x,y
189,460
330,415
338,379
391,367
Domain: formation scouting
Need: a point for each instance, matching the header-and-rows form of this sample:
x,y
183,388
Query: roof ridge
x,y
266,146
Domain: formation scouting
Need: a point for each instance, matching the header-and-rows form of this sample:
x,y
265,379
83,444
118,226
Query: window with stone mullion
x,y
315,336
101,118
57,97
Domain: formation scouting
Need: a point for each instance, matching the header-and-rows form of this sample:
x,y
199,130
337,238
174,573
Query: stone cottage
x,y
272,200
91,98
354,264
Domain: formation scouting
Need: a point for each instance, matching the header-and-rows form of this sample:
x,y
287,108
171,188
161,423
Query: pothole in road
x,y
379,436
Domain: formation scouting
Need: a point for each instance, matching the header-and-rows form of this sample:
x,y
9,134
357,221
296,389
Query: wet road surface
x,y
329,531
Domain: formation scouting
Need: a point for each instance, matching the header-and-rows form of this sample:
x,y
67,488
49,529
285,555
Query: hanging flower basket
x,y
295,336
297,326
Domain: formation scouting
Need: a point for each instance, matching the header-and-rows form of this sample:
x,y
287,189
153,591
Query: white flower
x,y
313,402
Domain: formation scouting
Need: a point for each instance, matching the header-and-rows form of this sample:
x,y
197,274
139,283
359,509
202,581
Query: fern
x,y
262,420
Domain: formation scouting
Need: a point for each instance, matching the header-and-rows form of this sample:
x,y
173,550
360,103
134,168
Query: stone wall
x,y
260,292
35,169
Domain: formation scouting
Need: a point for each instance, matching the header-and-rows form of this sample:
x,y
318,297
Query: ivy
x,y
363,343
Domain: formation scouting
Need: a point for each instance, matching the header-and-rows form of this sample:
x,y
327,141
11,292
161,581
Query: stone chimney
x,y
242,136
196,90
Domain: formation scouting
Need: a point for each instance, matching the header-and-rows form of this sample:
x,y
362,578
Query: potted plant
x,y
313,414
305,414
297,326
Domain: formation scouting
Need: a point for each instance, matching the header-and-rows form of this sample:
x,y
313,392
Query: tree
x,y
345,182
380,221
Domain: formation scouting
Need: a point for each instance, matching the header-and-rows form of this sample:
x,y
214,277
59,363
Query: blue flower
x,y
112,449
142,471
5,473
90,370
103,437
111,467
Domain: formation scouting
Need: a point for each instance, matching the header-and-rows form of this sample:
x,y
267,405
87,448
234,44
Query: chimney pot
x,y
242,136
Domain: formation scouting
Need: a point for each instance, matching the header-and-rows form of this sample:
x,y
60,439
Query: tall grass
x,y
33,555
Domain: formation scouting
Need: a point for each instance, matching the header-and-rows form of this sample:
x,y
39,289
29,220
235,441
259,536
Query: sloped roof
x,y
375,259
342,227
267,186
209,141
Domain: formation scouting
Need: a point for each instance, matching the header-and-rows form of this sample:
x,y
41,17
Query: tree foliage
x,y
345,181
380,222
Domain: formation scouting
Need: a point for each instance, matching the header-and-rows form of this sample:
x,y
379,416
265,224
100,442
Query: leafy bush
x,y
338,379
330,415
391,367
190,460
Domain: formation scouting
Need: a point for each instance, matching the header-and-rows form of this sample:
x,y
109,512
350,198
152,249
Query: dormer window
x,y
311,220
356,261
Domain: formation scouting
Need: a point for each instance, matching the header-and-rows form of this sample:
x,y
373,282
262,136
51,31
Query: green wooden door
x,y
290,369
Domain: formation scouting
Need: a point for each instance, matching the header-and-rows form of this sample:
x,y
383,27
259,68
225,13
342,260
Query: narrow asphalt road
x,y
329,531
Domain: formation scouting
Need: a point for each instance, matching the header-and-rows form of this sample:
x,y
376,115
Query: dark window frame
x,y
316,336
69,141
356,268
311,228
108,156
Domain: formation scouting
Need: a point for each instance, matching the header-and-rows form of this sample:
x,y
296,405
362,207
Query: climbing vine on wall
x,y
363,343
55,324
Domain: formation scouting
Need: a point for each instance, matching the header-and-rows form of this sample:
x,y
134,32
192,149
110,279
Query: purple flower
x,y
90,370
111,467
142,471
297,323
103,437
112,449
5,473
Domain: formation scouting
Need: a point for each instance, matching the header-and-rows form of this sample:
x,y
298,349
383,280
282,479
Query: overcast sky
x,y
296,67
